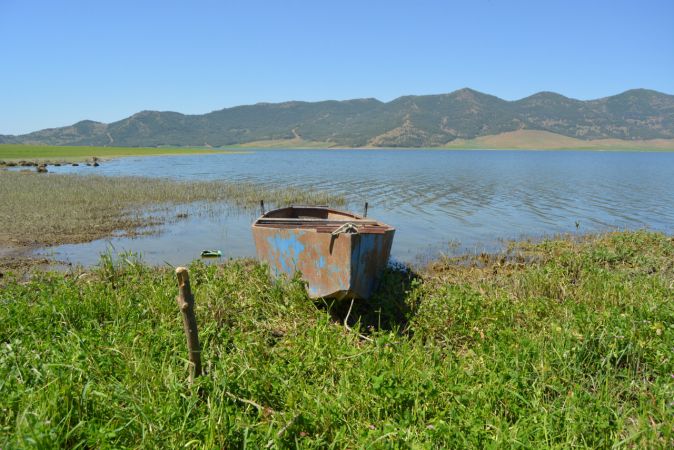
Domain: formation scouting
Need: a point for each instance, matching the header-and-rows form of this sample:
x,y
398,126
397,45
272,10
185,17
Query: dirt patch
x,y
20,262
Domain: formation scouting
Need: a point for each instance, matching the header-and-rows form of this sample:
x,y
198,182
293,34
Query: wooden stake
x,y
185,301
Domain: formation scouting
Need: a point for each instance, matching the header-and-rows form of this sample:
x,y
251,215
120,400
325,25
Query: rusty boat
x,y
339,254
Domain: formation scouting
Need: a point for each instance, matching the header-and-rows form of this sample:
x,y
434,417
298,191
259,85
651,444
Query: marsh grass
x,y
571,348
15,152
46,209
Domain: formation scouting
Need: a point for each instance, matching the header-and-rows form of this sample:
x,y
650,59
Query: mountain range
x,y
409,121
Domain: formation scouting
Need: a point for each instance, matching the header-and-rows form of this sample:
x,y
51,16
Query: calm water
x,y
439,201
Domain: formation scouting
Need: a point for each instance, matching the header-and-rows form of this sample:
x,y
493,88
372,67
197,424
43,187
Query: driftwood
x,y
185,301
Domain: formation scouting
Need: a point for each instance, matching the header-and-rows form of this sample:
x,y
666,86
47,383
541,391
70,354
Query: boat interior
x,y
322,219
310,212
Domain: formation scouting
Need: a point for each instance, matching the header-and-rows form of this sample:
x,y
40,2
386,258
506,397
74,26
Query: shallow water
x,y
438,200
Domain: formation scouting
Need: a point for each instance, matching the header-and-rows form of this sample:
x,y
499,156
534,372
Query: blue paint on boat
x,y
342,265
313,291
365,267
289,248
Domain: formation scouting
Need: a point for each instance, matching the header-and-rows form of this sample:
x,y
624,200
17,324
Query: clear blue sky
x,y
63,61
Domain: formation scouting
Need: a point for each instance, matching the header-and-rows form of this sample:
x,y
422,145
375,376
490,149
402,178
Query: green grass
x,y
45,209
545,140
282,144
557,345
15,152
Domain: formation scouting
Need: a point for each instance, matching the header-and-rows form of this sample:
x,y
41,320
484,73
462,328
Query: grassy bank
x,y
544,140
15,152
283,144
564,345
47,209
512,140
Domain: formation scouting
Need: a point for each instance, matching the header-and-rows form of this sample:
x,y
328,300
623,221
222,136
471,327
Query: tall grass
x,y
79,153
570,349
50,208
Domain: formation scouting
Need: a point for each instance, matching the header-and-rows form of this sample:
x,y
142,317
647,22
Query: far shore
x,y
531,140
71,153
524,140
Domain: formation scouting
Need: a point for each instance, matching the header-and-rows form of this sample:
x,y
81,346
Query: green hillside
x,y
410,121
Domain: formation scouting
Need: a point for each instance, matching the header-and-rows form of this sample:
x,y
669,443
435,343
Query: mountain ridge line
x,y
436,120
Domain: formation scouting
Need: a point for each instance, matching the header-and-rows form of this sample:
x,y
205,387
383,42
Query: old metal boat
x,y
339,254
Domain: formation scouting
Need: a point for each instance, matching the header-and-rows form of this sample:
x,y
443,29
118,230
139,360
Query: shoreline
x,y
46,210
56,155
22,260
77,154
477,149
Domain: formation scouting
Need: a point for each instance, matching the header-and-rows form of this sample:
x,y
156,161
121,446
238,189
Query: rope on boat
x,y
347,228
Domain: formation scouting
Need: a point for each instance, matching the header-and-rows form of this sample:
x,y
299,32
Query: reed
x,y
16,152
46,209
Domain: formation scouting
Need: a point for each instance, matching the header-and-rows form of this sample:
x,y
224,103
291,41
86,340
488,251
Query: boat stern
x,y
335,258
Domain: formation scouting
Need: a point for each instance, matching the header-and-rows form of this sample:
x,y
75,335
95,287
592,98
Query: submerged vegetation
x,y
559,344
46,209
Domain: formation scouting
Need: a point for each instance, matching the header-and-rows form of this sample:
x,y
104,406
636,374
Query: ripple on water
x,y
432,197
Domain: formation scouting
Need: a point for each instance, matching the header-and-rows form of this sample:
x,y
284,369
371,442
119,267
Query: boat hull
x,y
341,266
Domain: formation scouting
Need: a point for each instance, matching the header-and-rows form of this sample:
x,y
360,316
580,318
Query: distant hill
x,y
410,121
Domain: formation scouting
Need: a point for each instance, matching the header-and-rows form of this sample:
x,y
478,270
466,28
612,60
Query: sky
x,y
65,61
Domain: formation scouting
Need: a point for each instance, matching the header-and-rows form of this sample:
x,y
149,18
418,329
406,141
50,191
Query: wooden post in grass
x,y
185,301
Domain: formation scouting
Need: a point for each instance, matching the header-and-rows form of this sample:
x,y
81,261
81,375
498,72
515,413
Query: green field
x,y
544,140
518,140
283,144
513,140
12,152
563,344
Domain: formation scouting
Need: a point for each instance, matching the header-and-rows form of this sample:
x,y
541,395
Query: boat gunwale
x,y
264,221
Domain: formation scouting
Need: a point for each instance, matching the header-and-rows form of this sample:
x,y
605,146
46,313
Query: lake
x,y
439,201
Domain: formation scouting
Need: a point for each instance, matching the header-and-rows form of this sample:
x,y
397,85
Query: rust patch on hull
x,y
334,264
